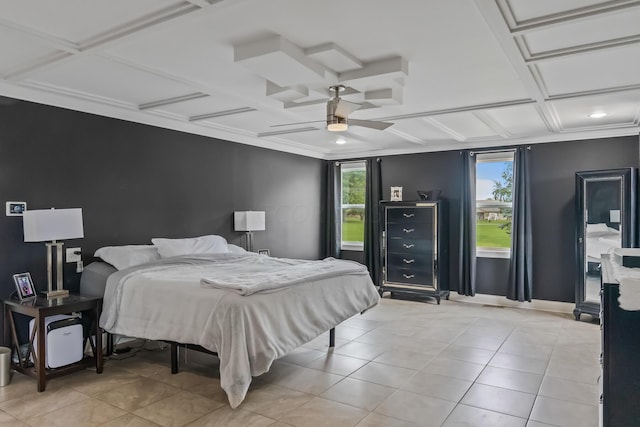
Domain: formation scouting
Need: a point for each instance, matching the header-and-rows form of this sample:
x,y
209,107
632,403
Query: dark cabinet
x,y
415,248
620,393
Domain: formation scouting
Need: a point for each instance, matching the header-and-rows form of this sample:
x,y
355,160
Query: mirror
x,y
605,206
602,228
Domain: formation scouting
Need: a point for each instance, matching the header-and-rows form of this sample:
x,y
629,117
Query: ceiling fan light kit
x,y
337,126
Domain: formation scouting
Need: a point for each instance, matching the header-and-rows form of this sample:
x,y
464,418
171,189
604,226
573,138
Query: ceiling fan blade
x,y
297,123
370,124
344,108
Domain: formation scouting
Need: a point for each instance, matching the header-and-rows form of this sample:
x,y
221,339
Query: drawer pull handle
x,y
409,215
410,230
408,246
408,276
408,261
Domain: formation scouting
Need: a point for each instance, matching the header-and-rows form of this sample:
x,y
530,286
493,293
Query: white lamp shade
x,y
52,224
248,221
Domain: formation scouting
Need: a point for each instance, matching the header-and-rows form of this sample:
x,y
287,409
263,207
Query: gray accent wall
x,y
135,182
553,168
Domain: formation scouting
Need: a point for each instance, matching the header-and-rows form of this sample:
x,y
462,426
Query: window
x,y
352,200
494,204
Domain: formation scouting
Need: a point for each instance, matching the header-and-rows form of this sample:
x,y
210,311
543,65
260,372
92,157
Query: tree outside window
x,y
494,200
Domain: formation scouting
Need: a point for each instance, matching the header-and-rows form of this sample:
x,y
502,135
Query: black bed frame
x,y
175,345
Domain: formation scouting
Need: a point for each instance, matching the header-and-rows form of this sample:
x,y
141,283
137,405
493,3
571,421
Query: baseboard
x,y
500,301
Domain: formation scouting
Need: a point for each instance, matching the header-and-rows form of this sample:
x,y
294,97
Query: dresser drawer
x,y
409,246
402,261
413,276
410,215
409,231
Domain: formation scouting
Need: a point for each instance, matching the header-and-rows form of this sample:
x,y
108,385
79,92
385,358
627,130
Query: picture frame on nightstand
x,y
263,252
24,286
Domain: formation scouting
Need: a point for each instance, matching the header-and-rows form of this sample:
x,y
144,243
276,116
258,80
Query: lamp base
x,y
55,294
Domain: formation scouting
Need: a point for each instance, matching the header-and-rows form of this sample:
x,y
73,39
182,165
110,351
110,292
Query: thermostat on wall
x,y
16,208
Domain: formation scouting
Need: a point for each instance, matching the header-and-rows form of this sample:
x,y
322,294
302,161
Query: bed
x,y
231,304
600,239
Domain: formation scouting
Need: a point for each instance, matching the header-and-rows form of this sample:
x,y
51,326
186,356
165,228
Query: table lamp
x,y
51,225
249,221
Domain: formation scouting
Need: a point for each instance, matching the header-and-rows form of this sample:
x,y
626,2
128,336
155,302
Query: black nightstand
x,y
39,309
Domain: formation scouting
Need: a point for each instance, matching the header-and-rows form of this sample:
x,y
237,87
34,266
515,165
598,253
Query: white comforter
x,y
272,274
166,301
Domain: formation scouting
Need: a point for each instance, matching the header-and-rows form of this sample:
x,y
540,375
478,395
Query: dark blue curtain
x,y
332,226
520,266
467,251
372,224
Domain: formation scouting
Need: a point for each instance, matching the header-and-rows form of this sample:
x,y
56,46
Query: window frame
x,y
493,156
347,166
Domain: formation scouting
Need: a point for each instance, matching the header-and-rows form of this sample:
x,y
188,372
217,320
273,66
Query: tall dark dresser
x,y
620,393
415,248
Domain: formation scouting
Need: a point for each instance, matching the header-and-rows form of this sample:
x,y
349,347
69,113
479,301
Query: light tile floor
x,y
403,363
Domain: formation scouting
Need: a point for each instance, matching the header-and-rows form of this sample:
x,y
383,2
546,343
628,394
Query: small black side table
x,y
39,309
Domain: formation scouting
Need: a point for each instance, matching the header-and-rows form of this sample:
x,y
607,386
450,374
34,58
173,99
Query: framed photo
x,y
263,252
24,286
396,194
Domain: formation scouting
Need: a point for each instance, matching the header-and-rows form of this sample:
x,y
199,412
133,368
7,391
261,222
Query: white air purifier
x,y
63,340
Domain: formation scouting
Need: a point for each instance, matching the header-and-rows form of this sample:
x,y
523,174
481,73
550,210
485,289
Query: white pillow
x,y
122,257
191,246
233,249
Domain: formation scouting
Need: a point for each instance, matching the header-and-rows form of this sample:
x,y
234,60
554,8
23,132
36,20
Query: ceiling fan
x,y
338,111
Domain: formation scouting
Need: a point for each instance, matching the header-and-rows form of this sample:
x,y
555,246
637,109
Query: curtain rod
x,y
338,162
504,150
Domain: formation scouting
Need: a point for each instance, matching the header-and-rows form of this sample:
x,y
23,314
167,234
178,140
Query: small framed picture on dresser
x,y
396,194
24,286
263,252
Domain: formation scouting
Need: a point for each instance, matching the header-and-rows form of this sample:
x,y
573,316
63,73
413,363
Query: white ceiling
x,y
448,74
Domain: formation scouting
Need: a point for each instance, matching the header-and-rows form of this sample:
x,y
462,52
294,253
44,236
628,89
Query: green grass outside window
x,y
490,235
352,230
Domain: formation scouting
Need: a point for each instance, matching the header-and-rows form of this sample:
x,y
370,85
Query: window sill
x,y
352,247
493,253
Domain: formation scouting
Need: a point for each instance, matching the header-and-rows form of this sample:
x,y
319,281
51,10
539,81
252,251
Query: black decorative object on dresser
x,y
415,248
605,219
619,359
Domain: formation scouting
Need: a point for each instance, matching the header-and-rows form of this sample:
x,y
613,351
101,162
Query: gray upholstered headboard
x,y
94,278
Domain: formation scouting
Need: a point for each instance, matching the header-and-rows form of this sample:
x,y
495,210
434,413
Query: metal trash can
x,y
5,366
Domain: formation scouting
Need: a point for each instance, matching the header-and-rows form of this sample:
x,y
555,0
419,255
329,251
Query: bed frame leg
x,y
332,337
109,344
174,357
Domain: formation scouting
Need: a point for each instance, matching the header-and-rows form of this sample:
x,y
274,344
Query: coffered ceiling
x,y
448,74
